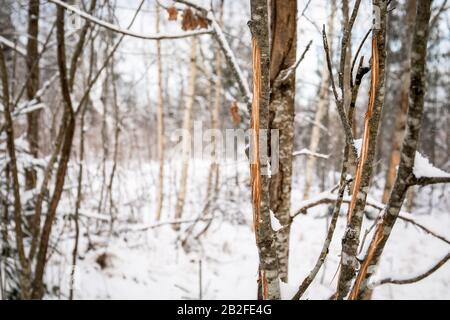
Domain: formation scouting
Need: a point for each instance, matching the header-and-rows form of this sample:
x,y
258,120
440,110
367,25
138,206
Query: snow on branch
x,y
13,46
425,173
112,27
307,152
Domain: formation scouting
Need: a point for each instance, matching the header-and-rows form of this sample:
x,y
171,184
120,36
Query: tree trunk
x,y
161,139
405,174
268,283
364,172
281,117
187,128
24,270
69,124
32,60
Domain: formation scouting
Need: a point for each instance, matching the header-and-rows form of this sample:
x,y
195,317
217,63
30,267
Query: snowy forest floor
x,y
147,261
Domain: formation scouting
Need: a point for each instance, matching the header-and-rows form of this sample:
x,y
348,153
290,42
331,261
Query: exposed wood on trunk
x,y
268,284
410,143
350,241
281,117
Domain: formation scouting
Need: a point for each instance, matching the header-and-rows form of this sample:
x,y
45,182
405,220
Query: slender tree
x,y
187,128
281,117
268,283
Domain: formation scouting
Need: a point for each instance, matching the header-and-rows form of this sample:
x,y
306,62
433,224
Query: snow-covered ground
x,y
144,261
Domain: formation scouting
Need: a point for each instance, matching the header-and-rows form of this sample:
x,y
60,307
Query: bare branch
x,y
112,27
416,278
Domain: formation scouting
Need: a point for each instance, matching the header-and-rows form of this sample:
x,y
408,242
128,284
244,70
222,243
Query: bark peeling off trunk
x,y
269,286
405,176
281,117
350,241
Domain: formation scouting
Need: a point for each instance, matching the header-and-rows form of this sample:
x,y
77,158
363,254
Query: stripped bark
x,y
187,128
281,117
268,283
350,241
405,177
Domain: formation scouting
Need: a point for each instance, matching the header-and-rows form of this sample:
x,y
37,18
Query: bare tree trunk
x,y
69,124
25,273
32,88
364,172
405,177
161,139
321,110
281,117
187,128
213,177
400,115
268,284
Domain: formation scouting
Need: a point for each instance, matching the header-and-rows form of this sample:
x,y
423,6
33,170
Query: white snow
x,y
424,168
276,225
150,263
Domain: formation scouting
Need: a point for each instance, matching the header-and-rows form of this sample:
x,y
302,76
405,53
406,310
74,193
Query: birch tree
x,y
364,171
268,283
405,176
161,139
187,128
281,117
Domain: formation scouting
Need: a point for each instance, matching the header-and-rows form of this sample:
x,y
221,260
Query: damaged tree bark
x,y
268,283
405,177
363,176
281,117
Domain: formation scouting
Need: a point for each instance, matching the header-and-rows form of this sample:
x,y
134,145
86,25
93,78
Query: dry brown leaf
x,y
173,13
203,23
189,20
235,115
